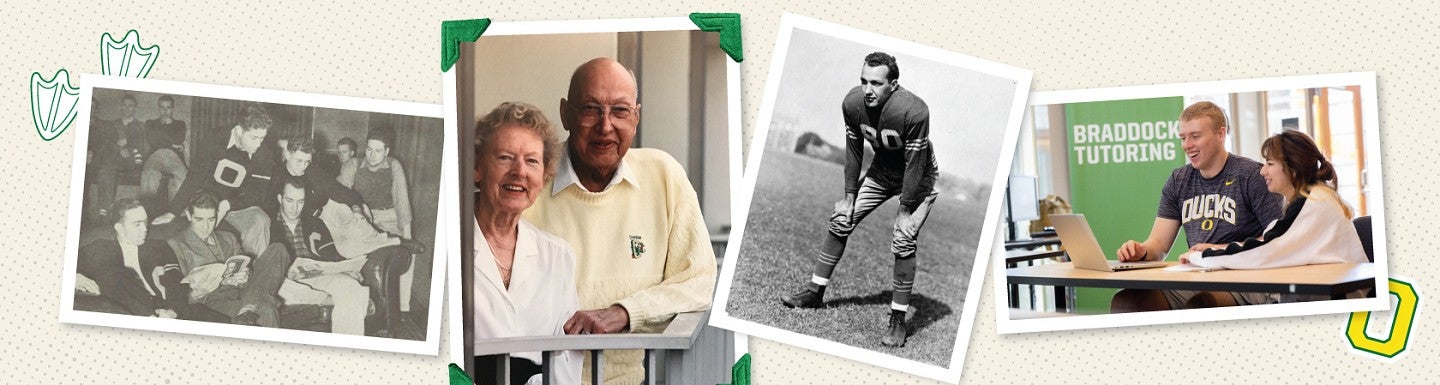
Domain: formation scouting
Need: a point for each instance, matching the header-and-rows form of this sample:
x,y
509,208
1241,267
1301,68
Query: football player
x,y
896,124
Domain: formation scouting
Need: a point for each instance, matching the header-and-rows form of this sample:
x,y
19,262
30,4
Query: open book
x,y
205,279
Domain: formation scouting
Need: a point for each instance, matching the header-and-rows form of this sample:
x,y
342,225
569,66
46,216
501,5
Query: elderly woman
x,y
524,278
1315,228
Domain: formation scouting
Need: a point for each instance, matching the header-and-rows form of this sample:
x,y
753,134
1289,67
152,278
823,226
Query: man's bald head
x,y
601,69
601,113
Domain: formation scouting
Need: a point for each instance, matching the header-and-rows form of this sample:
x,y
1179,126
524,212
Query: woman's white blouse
x,y
540,299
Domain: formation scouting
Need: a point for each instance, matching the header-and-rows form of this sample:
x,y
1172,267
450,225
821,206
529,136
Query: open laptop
x,y
1084,250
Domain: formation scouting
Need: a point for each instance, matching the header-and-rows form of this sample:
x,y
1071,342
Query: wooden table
x,y
1334,280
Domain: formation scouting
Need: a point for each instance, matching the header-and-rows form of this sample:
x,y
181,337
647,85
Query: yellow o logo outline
x,y
1400,325
1208,224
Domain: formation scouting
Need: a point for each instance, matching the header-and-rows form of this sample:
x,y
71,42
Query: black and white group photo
x,y
876,173
256,213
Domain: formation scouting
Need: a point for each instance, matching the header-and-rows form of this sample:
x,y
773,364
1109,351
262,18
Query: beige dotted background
x,y
391,51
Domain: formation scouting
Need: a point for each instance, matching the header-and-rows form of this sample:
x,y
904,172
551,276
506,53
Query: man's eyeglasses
x,y
592,112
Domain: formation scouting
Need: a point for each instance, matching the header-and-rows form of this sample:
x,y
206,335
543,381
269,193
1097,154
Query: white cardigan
x,y
540,299
1318,233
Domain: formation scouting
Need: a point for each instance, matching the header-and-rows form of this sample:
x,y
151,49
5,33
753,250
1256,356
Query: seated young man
x,y
332,269
240,178
127,275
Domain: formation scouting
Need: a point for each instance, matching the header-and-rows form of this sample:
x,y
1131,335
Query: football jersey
x,y
899,134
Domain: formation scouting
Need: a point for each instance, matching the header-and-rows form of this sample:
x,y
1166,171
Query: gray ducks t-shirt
x,y
1230,207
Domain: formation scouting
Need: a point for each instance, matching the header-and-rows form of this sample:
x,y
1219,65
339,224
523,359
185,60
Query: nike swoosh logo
x,y
1229,182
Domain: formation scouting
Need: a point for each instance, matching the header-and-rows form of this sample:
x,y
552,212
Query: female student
x,y
1316,227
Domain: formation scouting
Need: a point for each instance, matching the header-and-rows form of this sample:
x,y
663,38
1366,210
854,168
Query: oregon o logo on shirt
x,y
1403,318
229,174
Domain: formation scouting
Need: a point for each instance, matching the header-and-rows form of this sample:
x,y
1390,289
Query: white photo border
x,y
720,318
554,27
89,82
1370,130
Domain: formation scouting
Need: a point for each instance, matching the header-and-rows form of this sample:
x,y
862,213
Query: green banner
x,y
1121,153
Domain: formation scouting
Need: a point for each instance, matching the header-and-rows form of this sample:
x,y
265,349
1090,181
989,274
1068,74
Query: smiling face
x,y
876,85
1204,144
1277,178
601,114
510,170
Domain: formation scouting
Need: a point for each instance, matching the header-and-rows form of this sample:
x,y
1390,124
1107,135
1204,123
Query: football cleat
x,y
895,336
806,298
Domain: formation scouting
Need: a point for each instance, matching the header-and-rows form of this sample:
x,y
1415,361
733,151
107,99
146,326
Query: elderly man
x,y
631,215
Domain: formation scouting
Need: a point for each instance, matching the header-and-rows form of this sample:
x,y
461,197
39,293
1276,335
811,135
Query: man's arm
x,y
116,282
854,155
689,280
346,176
1156,247
918,157
330,189
400,191
167,274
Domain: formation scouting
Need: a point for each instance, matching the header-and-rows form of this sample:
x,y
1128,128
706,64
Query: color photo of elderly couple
x,y
606,160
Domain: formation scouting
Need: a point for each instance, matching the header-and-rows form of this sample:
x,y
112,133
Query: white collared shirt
x,y
130,256
540,299
566,176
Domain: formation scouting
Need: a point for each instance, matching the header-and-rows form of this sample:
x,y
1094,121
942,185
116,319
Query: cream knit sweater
x,y
642,245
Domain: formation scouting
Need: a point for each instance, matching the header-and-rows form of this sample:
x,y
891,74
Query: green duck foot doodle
x,y
53,103
127,57
458,376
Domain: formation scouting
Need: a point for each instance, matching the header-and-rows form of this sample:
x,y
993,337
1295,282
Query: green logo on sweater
x,y
637,247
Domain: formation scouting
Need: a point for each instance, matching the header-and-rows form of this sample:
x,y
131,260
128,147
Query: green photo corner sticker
x,y
127,57
740,372
1402,321
454,32
53,103
458,376
728,25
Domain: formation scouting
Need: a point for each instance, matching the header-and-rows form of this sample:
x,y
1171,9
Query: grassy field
x,y
794,196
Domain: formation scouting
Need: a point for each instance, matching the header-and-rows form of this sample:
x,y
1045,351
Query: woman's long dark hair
x,y
1303,161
